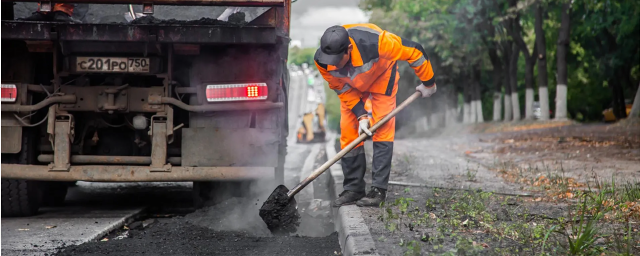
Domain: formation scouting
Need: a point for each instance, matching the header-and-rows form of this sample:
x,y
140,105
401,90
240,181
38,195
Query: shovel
x,y
280,212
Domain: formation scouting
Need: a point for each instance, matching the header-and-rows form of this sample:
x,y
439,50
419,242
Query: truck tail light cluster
x,y
235,92
9,92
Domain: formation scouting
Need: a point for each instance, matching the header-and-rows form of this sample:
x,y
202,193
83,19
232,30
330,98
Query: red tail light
x,y
9,92
236,92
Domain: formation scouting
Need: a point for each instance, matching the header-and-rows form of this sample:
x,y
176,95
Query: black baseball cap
x,y
333,45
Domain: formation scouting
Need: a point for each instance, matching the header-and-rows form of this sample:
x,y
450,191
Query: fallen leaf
x,y
538,199
467,152
50,227
432,215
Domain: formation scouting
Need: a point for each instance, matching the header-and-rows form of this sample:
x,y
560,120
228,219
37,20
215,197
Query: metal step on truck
x,y
142,99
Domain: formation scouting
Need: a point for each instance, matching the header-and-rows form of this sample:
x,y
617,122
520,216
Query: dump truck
x,y
142,100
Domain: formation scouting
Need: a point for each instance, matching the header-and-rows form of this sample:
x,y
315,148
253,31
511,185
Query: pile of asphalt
x,y
280,213
234,214
236,19
177,237
231,227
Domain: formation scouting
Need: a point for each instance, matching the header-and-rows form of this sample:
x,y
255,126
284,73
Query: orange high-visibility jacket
x,y
373,66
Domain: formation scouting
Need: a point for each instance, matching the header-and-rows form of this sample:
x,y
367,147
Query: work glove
x,y
426,91
364,126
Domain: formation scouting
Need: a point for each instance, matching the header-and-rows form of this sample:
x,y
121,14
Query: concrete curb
x,y
116,224
353,233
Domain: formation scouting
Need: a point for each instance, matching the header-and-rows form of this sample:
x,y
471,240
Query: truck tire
x,y
21,197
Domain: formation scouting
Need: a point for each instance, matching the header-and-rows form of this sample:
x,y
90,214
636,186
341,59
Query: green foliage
x,y
332,108
301,55
604,45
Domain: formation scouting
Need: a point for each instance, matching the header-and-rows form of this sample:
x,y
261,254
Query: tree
x,y
513,81
561,58
529,57
609,31
541,46
302,55
635,109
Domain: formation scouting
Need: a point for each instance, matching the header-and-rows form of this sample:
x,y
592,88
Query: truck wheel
x,y
55,193
21,197
201,193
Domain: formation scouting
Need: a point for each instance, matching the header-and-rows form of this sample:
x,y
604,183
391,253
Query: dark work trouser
x,y
354,165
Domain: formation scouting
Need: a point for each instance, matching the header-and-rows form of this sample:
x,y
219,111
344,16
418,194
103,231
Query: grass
x,y
447,222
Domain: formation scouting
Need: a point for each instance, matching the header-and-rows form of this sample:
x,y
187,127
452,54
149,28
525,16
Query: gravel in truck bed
x,y
236,19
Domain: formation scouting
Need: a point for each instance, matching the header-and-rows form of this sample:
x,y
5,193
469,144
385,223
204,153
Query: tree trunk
x,y
513,82
479,115
530,62
497,80
622,75
635,109
477,94
497,106
619,106
541,45
472,104
452,112
466,107
561,57
506,81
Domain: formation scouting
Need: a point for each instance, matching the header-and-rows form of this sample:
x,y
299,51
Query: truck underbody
x,y
143,102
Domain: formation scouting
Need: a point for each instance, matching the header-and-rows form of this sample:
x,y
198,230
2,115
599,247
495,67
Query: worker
x,y
314,105
59,12
359,61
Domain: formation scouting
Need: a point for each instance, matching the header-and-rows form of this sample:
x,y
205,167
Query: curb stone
x,y
353,232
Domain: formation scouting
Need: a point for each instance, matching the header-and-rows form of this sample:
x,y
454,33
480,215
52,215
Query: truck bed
x,y
159,32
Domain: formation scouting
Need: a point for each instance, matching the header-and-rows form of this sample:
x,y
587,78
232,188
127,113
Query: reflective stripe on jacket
x,y
373,66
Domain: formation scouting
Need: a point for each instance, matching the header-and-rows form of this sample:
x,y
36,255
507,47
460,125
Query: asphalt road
x,y
92,210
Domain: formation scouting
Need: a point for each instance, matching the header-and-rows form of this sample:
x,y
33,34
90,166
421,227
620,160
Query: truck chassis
x,y
153,122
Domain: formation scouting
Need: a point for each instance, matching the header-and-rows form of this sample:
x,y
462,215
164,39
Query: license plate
x,y
107,64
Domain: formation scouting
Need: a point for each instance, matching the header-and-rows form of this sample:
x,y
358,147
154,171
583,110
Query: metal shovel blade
x,y
280,212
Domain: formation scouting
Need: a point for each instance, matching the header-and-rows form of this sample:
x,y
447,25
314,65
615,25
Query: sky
x,y
310,18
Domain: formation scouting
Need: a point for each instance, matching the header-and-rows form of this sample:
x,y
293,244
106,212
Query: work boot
x,y
373,198
37,16
348,197
64,17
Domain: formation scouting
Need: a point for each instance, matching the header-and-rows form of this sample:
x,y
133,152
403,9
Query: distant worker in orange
x,y
59,12
360,61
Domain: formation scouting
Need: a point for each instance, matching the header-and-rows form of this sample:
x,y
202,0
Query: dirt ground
x,y
519,192
584,152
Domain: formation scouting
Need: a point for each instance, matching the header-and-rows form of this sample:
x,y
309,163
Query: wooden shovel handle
x,y
351,145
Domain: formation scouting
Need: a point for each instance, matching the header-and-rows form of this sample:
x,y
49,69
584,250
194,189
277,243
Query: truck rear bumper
x,y
104,173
